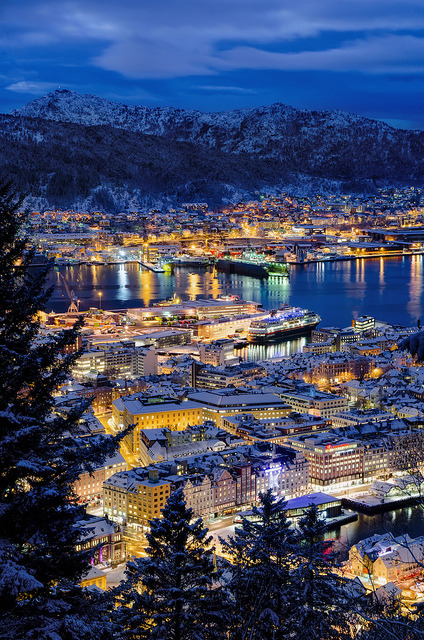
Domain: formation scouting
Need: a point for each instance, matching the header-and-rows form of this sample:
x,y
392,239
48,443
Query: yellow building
x,y
144,415
94,577
135,500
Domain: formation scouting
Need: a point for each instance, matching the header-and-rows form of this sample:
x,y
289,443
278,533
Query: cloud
x,y
151,59
34,88
385,54
182,38
211,88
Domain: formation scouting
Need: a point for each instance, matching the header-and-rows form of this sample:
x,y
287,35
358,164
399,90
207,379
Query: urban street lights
x,y
100,300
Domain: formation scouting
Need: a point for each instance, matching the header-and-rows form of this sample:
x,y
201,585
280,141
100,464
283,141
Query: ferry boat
x,y
284,323
252,264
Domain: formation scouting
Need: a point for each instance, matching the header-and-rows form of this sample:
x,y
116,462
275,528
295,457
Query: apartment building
x,y
89,486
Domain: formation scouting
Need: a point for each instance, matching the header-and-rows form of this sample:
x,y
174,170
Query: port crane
x,y
74,306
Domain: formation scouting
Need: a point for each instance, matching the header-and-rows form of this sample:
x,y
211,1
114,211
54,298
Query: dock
x,y
151,266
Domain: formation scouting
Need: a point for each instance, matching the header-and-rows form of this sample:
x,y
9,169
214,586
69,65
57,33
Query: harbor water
x,y
389,289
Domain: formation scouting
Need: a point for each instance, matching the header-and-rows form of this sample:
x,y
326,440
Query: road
x,y
131,460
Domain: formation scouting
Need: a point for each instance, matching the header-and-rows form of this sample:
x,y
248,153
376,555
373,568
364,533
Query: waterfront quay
x,y
285,228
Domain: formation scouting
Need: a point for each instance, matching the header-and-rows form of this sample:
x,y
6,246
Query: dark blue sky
x,y
362,56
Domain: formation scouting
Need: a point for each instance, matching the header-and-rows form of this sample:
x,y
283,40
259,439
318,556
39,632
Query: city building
x,y
218,353
150,413
133,499
334,461
104,538
316,403
214,483
363,324
209,377
89,486
218,404
116,362
386,558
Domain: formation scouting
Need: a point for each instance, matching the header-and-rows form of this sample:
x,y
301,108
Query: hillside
x,y
135,152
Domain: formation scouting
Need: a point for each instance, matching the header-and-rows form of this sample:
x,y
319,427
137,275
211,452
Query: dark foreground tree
x,y
260,553
173,594
319,600
40,459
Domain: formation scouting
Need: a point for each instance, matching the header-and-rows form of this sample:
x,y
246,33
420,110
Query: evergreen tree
x,y
170,595
319,606
40,459
260,556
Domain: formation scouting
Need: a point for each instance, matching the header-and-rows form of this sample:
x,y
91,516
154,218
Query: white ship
x,y
284,323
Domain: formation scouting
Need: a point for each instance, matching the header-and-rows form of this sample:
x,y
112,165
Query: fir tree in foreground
x,y
260,555
319,603
39,567
171,595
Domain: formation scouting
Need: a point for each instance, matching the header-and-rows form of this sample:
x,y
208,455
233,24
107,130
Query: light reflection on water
x,y
389,289
407,520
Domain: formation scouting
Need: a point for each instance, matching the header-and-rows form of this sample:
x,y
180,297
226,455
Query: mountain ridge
x,y
161,152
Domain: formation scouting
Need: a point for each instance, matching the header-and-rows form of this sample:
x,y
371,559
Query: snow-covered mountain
x,y
70,145
254,130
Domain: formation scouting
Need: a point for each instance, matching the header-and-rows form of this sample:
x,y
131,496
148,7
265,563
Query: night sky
x,y
362,56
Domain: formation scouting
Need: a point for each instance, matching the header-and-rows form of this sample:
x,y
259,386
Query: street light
x,y
100,300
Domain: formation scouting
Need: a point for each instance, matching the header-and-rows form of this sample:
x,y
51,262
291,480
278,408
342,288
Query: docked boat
x,y
284,323
256,265
191,261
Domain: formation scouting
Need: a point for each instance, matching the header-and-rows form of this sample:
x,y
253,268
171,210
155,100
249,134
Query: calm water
x,y
408,520
389,289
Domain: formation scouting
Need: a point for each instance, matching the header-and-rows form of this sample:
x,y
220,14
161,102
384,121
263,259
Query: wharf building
x,y
196,309
222,327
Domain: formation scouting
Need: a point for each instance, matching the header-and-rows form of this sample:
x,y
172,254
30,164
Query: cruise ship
x,y
284,323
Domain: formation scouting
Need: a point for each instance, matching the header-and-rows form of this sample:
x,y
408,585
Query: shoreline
x,y
378,505
395,254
